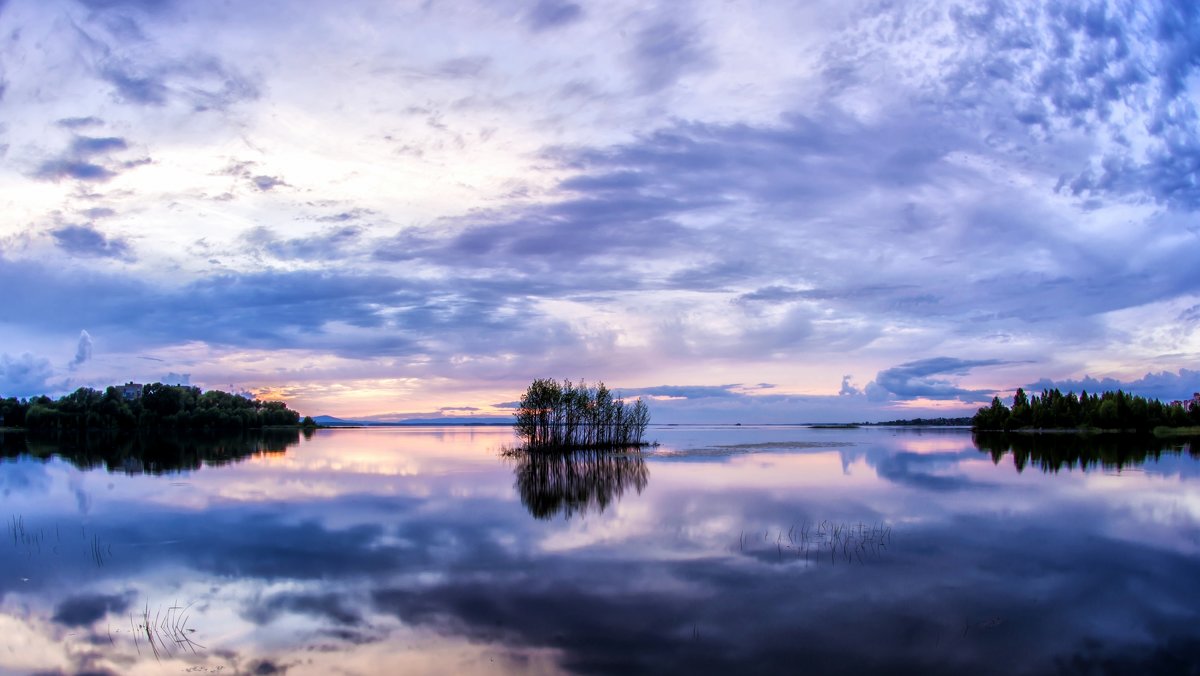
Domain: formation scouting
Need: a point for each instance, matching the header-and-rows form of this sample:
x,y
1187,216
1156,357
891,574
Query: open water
x,y
722,550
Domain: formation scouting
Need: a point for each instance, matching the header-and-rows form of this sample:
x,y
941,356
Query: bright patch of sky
x,y
378,208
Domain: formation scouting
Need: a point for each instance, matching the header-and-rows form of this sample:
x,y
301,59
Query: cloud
x,y
98,212
85,146
83,352
547,14
24,376
925,379
76,169
85,609
79,122
245,169
466,67
131,88
666,51
202,82
921,180
80,161
1064,70
354,214
265,183
684,391
143,5
919,470
352,315
848,390
329,606
85,240
325,245
1165,385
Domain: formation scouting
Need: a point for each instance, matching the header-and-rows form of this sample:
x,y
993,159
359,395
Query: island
x,y
567,416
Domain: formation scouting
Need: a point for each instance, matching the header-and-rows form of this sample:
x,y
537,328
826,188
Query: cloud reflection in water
x,y
1030,574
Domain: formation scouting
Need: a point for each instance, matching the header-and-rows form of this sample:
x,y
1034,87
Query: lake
x,y
723,550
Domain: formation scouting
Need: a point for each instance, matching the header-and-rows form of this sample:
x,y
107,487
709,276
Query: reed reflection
x,y
1055,452
575,482
159,453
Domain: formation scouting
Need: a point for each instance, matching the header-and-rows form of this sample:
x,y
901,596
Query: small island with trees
x,y
150,407
565,416
1110,411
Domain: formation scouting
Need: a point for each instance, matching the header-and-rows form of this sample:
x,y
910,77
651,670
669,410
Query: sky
x,y
742,212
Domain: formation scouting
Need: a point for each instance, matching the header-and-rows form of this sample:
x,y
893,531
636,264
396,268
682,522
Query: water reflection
x,y
412,551
575,482
149,453
1056,452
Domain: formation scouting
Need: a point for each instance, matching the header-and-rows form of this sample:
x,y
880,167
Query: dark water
x,y
724,550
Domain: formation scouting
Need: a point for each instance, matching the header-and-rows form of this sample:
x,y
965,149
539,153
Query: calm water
x,y
724,550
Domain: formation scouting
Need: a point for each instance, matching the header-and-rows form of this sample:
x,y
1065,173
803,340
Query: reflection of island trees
x,y
149,453
1054,452
575,482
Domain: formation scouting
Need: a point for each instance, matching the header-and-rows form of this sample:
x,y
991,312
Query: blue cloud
x,y
144,5
84,146
204,83
925,378
85,240
666,51
24,376
132,88
684,391
1165,385
77,169
265,183
80,122
547,14
320,246
462,68
85,609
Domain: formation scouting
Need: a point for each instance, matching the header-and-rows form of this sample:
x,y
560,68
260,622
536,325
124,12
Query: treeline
x,y
159,407
1108,411
570,416
925,422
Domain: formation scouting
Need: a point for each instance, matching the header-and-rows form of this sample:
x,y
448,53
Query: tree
x,y
568,415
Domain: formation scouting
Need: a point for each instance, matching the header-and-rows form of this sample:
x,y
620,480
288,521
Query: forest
x,y
1108,411
569,416
159,406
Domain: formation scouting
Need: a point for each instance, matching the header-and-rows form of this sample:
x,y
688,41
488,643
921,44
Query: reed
x,y
166,633
812,542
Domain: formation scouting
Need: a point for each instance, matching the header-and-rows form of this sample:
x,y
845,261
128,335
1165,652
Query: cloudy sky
x,y
769,211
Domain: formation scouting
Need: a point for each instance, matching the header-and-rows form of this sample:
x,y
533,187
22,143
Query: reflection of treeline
x,y
565,416
1054,452
1110,411
157,407
145,453
573,482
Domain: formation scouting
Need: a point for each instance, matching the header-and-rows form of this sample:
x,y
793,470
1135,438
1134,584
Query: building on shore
x,y
130,391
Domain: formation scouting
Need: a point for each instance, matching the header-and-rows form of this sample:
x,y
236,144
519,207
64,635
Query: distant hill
x,y
330,421
925,422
